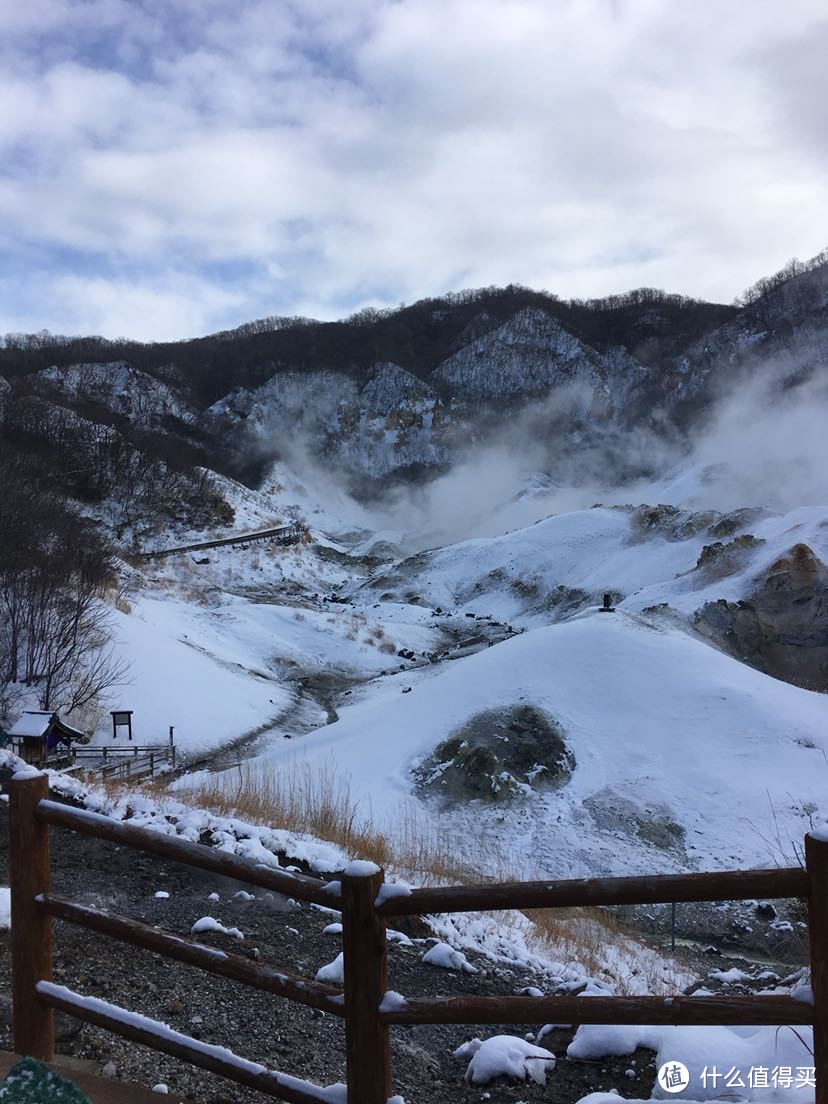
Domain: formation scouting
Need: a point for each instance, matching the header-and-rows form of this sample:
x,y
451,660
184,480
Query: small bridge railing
x,y
366,903
283,534
119,762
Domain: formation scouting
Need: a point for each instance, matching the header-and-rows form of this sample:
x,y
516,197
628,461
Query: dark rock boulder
x,y
497,755
782,629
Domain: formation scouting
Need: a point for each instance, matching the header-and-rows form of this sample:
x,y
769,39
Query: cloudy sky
x,y
174,167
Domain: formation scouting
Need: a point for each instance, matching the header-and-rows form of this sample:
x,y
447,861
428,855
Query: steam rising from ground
x,y
766,445
762,444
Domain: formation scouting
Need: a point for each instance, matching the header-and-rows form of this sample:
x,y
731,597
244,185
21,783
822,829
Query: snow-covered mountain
x,y
438,639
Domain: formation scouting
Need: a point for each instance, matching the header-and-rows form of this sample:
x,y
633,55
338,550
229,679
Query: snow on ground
x,y
174,818
441,954
598,550
508,938
210,924
184,673
619,963
222,669
659,723
769,1064
334,972
5,907
505,1056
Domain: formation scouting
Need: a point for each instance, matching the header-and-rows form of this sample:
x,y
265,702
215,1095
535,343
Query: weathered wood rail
x,y
122,763
283,534
365,904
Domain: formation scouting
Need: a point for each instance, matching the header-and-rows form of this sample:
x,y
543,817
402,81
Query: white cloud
x,y
386,150
161,307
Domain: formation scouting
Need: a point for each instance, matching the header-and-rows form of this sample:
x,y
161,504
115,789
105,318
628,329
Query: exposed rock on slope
x,y
498,754
782,627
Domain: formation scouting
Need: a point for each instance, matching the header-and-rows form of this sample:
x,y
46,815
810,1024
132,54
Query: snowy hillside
x,y
683,756
686,743
422,620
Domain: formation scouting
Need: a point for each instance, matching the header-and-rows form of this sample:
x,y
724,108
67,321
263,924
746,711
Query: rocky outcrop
x,y
117,387
498,755
723,558
531,355
389,419
782,627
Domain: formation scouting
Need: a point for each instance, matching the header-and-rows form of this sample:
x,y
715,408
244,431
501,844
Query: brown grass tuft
x,y
320,802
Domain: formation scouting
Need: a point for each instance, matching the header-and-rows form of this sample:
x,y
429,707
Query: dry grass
x,y
580,934
320,802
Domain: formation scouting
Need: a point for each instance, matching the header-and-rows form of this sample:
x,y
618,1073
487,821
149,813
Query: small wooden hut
x,y
39,734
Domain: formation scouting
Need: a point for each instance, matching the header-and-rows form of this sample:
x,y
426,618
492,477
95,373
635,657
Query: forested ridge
x,y
652,324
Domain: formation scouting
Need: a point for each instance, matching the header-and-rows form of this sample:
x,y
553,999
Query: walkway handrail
x,y
364,1004
284,534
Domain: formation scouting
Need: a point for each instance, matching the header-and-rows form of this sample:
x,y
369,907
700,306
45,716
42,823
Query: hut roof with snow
x,y
45,725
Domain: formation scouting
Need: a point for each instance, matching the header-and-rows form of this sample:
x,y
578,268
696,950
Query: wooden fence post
x,y
364,948
816,861
31,928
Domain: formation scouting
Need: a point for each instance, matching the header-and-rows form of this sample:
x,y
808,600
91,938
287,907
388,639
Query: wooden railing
x,y
100,762
120,762
283,534
366,903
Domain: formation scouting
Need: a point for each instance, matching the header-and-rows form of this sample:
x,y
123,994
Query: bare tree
x,y
54,569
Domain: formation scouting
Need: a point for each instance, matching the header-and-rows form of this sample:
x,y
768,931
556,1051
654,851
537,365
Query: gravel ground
x,y
281,1034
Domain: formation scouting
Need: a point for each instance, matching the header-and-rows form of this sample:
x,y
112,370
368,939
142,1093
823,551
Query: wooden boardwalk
x,y
283,534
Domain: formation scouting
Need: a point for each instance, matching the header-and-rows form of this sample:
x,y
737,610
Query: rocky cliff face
x,y
388,418
395,390
141,399
392,419
782,627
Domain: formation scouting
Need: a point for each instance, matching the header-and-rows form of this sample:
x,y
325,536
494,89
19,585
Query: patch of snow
x,y
441,954
361,868
728,977
389,890
397,937
505,1056
334,972
26,772
393,1002
711,1054
594,1041
210,924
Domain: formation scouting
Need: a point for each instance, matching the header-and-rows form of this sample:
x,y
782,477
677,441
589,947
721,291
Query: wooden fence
x,y
365,905
121,762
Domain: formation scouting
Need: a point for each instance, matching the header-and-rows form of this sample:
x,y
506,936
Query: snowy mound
x,y
683,755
